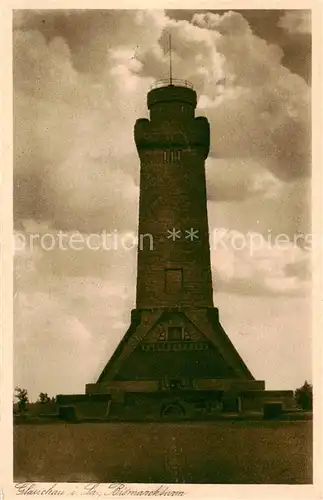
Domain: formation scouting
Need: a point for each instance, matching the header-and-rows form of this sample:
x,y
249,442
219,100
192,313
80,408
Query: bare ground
x,y
266,452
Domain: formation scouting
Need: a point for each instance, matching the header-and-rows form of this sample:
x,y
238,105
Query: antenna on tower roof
x,y
170,60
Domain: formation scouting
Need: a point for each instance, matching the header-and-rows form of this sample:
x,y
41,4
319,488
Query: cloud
x,y
56,337
75,159
71,308
238,180
273,336
74,119
91,35
300,269
284,209
261,110
248,264
296,22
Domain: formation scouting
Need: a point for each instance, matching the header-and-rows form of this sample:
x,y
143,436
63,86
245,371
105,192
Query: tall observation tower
x,y
175,360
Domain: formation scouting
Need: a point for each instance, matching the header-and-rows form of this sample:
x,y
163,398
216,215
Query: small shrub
x,y
22,396
43,398
304,396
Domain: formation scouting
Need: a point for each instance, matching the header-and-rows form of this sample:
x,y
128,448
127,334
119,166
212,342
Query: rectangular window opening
x,y
173,280
175,333
172,156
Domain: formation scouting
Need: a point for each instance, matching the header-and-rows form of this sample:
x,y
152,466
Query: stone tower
x,y
175,357
172,147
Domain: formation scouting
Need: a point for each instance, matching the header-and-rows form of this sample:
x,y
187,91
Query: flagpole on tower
x,y
170,60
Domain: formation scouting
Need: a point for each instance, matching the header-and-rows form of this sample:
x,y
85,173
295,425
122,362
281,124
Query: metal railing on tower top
x,y
176,82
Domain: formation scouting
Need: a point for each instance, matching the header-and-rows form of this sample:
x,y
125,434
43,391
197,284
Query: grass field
x,y
268,452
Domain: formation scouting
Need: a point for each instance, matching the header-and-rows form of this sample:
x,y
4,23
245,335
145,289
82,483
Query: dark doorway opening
x,y
173,410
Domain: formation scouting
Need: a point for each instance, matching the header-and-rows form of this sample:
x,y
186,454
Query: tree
x,y
304,396
43,398
22,396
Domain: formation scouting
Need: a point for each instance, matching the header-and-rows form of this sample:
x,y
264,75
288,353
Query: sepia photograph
x,y
163,248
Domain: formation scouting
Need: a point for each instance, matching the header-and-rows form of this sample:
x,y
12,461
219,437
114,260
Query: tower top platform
x,y
175,82
171,90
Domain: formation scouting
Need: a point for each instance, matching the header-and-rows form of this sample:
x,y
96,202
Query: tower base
x,y
117,405
175,364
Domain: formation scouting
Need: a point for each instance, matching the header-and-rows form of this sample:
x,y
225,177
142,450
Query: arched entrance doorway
x,y
172,411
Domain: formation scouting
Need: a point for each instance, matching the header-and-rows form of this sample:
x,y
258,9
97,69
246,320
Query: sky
x,y
80,82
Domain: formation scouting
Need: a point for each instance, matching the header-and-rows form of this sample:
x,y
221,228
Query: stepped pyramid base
x,y
175,363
